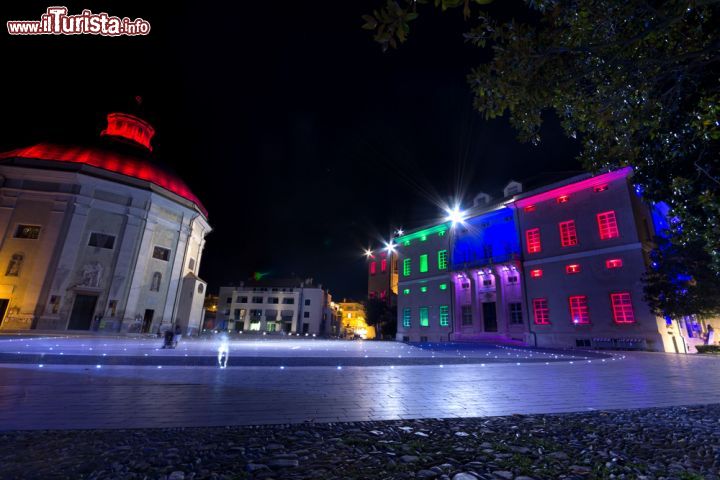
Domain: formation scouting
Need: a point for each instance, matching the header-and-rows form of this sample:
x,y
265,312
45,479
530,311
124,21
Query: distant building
x,y
210,312
354,320
275,306
555,264
383,277
99,237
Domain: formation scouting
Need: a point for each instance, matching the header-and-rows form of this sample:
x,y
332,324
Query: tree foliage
x,y
381,316
669,288
635,81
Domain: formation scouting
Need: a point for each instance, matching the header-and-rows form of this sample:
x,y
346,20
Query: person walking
x,y
178,334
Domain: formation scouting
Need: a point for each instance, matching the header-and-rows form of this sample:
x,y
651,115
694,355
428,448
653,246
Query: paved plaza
x,y
455,381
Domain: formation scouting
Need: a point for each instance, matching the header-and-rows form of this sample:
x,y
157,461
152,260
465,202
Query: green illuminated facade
x,y
425,311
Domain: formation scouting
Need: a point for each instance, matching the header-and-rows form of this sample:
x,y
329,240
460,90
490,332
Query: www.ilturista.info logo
x,y
56,21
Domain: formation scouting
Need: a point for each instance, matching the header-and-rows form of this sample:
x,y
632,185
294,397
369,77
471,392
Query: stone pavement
x,y
264,351
127,396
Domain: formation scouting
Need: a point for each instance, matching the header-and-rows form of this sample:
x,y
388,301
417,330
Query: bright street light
x,y
455,215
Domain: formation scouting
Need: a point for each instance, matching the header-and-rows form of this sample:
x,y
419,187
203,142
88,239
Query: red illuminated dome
x,y
123,155
129,127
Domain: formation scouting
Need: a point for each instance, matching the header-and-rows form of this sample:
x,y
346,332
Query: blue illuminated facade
x,y
486,239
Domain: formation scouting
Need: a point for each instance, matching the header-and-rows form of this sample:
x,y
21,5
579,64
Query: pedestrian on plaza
x,y
710,335
169,339
178,334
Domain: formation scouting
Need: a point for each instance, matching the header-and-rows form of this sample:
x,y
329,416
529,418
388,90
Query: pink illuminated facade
x,y
555,265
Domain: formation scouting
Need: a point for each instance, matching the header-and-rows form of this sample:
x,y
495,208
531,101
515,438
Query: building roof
x,y
123,149
280,282
530,187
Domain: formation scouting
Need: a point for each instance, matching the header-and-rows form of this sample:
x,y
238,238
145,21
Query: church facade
x,y
99,237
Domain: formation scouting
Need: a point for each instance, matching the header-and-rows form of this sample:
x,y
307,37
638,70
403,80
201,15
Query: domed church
x,y
99,237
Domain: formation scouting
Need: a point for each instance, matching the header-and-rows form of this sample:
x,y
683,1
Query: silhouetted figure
x,y
178,334
169,337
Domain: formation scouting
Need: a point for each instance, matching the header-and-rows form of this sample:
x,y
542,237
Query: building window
x,y
201,288
600,188
406,317
161,253
579,310
562,199
530,208
373,268
536,273
532,237
443,286
288,301
568,234
406,291
228,300
236,314
31,232
15,265
466,314
442,259
407,267
541,312
444,315
572,268
423,289
242,299
257,300
307,301
607,225
613,263
423,263
306,314
383,265
191,264
512,279
273,300
424,317
516,314
156,280
487,282
101,240
622,307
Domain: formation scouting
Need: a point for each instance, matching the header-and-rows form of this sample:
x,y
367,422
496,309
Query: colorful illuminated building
x,y
383,276
554,265
99,237
282,306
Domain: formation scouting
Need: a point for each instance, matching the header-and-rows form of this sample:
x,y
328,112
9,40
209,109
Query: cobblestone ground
x,y
680,443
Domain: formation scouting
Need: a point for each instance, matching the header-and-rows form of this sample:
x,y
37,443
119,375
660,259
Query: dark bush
x,y
708,349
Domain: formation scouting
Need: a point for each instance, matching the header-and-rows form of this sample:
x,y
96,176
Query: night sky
x,y
304,141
